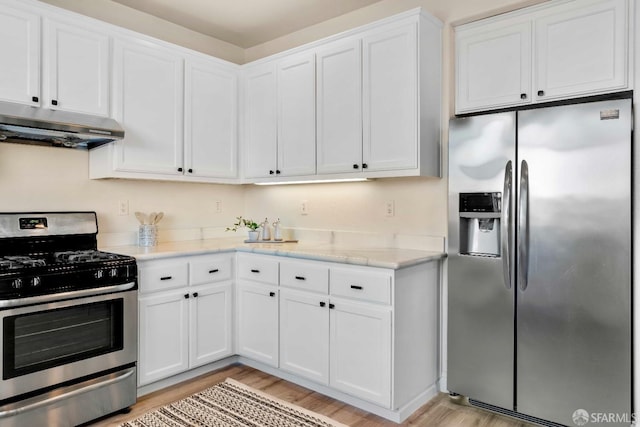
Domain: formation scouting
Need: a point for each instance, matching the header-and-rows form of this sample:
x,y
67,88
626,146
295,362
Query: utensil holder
x,y
147,235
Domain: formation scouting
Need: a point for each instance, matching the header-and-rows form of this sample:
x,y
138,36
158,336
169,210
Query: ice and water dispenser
x,y
480,224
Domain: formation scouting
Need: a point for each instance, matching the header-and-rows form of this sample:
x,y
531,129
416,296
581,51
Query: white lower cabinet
x,y
257,320
304,334
360,350
366,335
164,336
183,322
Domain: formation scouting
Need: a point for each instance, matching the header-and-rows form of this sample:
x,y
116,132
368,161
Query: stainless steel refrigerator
x,y
539,289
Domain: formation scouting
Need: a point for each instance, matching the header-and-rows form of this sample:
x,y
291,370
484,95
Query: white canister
x,y
148,235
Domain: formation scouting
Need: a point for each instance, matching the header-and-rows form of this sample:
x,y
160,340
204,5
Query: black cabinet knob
x,y
179,169
332,306
523,96
277,171
186,296
190,170
355,166
195,295
540,93
271,172
272,294
322,303
35,99
54,102
364,166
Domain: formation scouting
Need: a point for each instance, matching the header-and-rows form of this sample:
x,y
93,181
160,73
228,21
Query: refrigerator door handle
x,y
505,232
523,227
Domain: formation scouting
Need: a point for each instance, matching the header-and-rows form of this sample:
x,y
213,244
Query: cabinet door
x,y
581,48
304,334
339,107
360,348
148,100
76,69
257,311
260,121
20,53
390,99
209,324
297,116
164,346
493,66
211,112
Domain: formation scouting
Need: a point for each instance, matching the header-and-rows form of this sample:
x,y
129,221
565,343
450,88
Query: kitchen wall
x,y
40,178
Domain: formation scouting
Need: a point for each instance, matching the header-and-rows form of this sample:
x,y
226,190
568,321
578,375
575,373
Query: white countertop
x,y
374,257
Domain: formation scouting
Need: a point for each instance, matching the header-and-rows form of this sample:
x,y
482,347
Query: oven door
x,y
44,345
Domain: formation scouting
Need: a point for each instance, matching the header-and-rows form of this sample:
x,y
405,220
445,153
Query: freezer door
x,y
480,304
574,294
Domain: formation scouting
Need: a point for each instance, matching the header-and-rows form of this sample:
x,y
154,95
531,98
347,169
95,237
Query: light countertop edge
x,y
392,258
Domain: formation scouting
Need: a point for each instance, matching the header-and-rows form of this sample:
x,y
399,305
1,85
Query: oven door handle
x,y
81,390
65,295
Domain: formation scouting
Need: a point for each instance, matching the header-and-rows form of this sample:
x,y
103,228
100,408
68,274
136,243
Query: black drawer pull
x,y
272,294
322,303
332,306
166,278
358,287
186,296
213,271
540,93
300,278
253,270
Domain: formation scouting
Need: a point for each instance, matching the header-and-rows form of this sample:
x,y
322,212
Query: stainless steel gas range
x,y
68,321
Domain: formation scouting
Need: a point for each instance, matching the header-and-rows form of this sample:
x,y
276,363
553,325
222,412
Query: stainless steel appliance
x,y
68,319
539,291
41,126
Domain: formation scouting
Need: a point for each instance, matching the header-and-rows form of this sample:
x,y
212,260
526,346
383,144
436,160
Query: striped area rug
x,y
231,404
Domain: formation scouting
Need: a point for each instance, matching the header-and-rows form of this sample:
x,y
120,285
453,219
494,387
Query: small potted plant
x,y
248,223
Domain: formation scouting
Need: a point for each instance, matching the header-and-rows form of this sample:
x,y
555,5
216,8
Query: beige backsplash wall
x,y
41,178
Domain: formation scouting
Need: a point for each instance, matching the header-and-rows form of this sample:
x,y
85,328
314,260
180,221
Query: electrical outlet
x,y
123,207
389,208
218,206
304,207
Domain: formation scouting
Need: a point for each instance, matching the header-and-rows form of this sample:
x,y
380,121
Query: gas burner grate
x,y
84,256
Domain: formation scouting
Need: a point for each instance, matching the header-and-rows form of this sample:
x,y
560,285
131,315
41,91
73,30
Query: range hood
x,y
40,126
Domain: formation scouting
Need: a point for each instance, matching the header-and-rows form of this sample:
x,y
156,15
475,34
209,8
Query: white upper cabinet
x,y
493,66
76,68
370,107
211,110
73,74
390,89
148,100
339,107
261,136
581,48
557,50
20,53
297,116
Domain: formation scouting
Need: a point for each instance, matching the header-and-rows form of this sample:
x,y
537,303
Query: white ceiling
x,y
246,23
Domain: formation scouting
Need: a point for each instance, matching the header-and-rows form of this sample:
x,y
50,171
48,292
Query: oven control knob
x,y
16,284
113,272
36,281
99,274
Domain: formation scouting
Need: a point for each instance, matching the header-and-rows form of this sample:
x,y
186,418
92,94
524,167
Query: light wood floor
x,y
440,411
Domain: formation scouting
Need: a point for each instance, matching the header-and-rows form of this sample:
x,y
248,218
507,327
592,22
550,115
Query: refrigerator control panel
x,y
480,202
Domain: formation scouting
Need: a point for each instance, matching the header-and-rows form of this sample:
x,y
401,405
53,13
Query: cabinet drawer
x,y
258,268
367,286
163,275
209,269
304,275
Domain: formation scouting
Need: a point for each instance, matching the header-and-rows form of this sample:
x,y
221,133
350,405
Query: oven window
x,y
40,340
